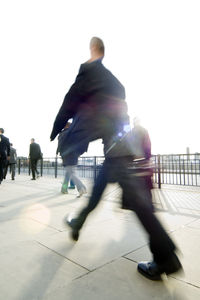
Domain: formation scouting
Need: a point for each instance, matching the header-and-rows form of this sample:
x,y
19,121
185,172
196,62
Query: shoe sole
x,y
154,278
158,277
74,233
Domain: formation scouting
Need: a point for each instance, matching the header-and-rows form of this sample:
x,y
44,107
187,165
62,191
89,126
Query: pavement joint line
x,y
185,282
132,260
102,266
45,224
180,280
63,256
81,276
124,255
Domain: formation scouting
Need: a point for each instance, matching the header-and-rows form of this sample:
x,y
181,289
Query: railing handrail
x,y
182,169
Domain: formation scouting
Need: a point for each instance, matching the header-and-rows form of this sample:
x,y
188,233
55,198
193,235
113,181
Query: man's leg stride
x,y
98,188
161,246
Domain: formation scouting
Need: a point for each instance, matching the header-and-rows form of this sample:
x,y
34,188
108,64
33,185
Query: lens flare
x,y
38,213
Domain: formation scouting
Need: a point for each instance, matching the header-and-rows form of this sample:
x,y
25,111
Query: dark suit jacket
x,y
96,102
35,151
13,156
4,147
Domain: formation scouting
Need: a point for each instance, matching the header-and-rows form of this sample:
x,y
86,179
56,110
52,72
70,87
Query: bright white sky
x,y
153,47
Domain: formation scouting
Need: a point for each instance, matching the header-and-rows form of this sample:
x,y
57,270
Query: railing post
x,y
56,166
159,178
180,168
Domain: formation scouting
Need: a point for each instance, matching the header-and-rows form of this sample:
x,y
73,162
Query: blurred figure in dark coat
x,y
4,152
96,102
141,135
11,162
34,155
70,160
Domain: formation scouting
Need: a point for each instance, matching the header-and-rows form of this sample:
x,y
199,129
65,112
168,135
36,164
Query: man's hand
x,y
8,157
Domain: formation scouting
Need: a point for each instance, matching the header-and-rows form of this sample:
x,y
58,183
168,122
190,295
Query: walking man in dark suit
x,y
96,102
11,163
34,155
4,152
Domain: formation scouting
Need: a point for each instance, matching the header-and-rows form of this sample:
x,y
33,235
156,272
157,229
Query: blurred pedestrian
x,y
69,162
141,132
4,152
141,138
129,174
95,100
102,95
11,162
35,154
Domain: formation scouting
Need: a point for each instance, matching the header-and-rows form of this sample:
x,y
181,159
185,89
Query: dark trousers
x,y
2,166
34,167
117,170
12,170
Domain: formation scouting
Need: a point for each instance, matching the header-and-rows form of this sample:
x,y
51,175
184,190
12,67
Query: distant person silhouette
x,y
4,153
34,155
11,162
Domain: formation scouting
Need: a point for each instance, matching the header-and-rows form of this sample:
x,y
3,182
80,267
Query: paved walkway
x,y
39,261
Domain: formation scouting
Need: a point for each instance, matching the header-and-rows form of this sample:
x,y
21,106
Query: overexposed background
x,y
153,47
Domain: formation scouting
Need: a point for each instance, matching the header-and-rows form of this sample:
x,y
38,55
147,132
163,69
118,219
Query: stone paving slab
x,y
195,224
23,229
172,222
39,261
120,280
29,270
188,243
98,244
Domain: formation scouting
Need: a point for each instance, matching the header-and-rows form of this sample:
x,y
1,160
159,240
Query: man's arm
x,y
29,156
8,147
69,106
40,152
15,154
147,145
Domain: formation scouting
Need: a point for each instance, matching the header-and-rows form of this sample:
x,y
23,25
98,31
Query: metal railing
x,y
177,169
87,167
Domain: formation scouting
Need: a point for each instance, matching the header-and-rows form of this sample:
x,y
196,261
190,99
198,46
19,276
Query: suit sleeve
x,y
29,151
40,152
70,104
147,145
15,154
8,146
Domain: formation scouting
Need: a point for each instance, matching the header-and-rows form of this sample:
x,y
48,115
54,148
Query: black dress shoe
x,y
75,232
149,270
153,270
33,179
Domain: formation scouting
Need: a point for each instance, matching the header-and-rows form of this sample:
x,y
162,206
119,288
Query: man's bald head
x,y
97,46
